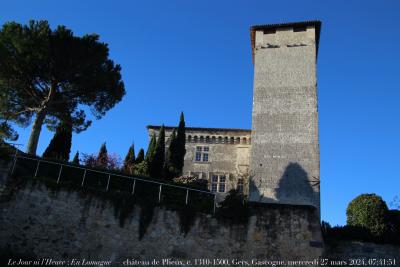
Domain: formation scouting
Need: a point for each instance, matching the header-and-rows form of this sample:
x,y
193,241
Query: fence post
x,y
108,182
83,179
59,174
187,195
159,194
133,187
15,161
37,168
215,202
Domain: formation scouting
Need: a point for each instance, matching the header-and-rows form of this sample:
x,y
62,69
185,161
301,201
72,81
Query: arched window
x,y
249,142
213,139
201,139
237,140
244,140
195,139
207,139
219,139
226,140
189,138
232,140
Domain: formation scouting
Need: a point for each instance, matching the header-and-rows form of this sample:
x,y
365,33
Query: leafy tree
x,y
129,159
89,160
156,166
140,156
60,146
8,115
142,168
102,157
180,145
75,160
368,211
234,209
50,75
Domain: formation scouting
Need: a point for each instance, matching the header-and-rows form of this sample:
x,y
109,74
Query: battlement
x,y
281,35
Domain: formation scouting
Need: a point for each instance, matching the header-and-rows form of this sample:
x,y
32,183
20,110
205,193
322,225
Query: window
x,y
218,183
202,153
240,186
222,184
214,183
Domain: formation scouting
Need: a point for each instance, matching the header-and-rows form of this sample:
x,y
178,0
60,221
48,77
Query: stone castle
x,y
277,161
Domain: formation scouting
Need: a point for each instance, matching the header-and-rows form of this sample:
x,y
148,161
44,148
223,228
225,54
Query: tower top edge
x,y
263,27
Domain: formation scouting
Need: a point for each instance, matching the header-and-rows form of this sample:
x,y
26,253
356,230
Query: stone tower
x,y
284,163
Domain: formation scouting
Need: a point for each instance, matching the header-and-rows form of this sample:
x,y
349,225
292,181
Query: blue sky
x,y
195,56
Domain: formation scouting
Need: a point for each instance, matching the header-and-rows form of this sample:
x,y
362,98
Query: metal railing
x,y
110,174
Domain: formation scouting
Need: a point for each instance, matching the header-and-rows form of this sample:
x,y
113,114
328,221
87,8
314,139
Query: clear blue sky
x,y
195,56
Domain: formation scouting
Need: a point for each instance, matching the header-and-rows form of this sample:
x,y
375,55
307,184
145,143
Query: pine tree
x,y
157,165
140,156
170,169
60,146
75,160
180,145
129,159
102,157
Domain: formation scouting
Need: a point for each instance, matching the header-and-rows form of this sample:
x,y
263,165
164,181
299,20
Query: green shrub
x,y
234,209
370,212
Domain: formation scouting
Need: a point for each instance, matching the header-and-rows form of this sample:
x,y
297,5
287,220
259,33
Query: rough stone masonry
x,y
284,163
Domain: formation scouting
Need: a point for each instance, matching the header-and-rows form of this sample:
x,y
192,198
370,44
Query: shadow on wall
x,y
294,185
294,188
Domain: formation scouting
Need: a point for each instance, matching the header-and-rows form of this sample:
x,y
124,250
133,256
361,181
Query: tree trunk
x,y
40,116
35,132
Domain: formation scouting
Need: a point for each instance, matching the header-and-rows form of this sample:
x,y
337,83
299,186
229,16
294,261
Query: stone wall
x,y
359,251
285,148
65,225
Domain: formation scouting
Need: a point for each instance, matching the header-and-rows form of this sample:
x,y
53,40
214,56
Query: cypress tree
x,y
170,168
140,156
75,160
102,157
151,149
157,166
60,146
129,159
179,158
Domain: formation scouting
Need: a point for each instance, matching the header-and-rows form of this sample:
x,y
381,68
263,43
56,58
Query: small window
x,y
240,186
214,187
218,183
198,156
202,154
214,179
222,187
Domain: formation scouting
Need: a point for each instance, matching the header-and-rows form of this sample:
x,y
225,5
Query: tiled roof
x,y
254,28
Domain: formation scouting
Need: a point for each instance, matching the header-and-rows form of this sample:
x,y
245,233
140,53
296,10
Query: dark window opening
x,y
300,29
269,31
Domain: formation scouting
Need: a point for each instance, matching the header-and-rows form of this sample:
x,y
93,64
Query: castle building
x,y
277,161
219,155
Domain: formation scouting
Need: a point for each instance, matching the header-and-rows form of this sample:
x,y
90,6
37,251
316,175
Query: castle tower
x,y
284,163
